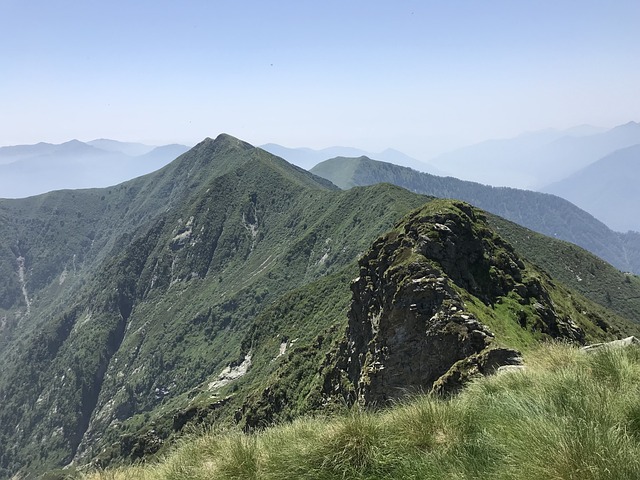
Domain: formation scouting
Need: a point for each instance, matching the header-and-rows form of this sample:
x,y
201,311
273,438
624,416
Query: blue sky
x,y
419,76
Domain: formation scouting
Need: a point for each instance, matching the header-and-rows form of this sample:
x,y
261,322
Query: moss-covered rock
x,y
409,325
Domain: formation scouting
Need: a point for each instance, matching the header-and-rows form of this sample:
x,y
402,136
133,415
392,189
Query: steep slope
x,y
200,248
57,239
547,214
607,189
566,414
440,296
439,299
576,268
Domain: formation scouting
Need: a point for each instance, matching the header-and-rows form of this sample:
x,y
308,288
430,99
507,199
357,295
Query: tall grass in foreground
x,y
570,415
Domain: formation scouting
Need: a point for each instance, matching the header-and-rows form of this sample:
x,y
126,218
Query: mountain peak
x,y
221,144
228,141
75,147
628,126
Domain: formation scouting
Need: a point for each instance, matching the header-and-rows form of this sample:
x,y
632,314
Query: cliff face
x,y
409,329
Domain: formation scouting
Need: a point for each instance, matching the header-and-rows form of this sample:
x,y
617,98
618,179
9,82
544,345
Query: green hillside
x,y
206,242
219,292
576,268
543,213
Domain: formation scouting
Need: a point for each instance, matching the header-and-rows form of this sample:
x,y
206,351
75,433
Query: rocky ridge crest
x,y
409,328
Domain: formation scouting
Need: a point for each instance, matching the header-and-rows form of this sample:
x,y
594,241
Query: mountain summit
x,y
102,289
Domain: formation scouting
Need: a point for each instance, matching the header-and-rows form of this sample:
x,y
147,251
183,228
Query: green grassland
x,y
568,415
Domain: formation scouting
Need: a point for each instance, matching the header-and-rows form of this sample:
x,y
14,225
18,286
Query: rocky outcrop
x,y
409,329
623,342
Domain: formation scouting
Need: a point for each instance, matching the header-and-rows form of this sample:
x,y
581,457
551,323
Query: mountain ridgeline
x,y
543,213
32,169
542,157
607,188
219,290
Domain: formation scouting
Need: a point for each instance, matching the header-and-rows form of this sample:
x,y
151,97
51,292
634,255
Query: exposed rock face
x,y
408,326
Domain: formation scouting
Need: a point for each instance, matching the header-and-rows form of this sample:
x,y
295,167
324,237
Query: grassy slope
x,y
65,235
310,320
341,171
576,268
569,415
186,306
543,213
208,323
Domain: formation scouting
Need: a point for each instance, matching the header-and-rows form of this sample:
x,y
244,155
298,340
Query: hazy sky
x,y
419,76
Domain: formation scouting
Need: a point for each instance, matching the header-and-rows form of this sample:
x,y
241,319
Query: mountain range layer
x,y
34,169
307,158
220,290
536,159
591,167
607,188
582,164
544,213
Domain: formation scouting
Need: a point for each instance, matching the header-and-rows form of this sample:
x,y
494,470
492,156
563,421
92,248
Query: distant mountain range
x,y
543,213
33,169
593,168
308,158
589,166
128,148
608,189
536,159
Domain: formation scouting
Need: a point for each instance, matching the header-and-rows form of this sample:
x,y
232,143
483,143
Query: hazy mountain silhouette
x,y
133,149
536,159
607,188
307,158
33,169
